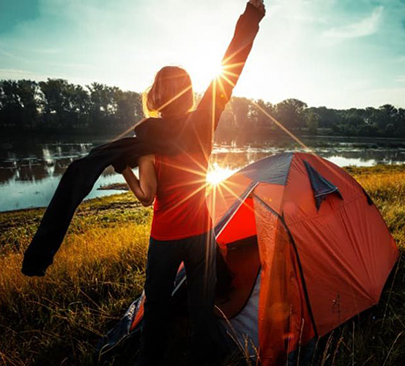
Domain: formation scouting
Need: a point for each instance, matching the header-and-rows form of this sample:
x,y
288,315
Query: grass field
x,y
99,271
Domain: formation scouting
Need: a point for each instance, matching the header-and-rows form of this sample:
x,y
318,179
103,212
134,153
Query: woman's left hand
x,y
259,4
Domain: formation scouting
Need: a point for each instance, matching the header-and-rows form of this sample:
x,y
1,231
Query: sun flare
x,y
203,70
217,71
216,174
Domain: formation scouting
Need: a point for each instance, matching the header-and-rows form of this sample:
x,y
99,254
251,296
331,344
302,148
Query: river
x,y
31,167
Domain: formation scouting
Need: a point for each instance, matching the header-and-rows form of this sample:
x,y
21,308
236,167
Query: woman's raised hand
x,y
258,4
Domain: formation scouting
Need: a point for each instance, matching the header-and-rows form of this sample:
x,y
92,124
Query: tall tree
x,y
29,101
291,112
312,122
78,106
258,114
54,102
11,108
103,105
240,109
128,107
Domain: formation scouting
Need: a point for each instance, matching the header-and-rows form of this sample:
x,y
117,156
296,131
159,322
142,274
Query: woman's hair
x,y
170,95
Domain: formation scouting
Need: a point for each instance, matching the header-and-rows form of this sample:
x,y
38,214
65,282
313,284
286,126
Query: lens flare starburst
x,y
216,174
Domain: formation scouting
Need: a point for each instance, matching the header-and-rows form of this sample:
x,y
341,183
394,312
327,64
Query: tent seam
x,y
281,218
245,194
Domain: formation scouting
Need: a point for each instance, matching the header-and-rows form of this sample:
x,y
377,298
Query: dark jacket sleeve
x,y
220,90
74,186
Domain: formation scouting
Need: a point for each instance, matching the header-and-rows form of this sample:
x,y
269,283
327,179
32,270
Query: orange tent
x,y
308,250
324,251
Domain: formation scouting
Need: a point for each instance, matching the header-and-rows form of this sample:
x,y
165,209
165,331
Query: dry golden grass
x,y
386,185
98,271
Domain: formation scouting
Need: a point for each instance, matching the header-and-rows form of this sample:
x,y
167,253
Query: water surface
x,y
30,168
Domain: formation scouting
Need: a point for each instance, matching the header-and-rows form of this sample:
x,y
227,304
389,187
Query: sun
x,y
203,70
217,71
216,174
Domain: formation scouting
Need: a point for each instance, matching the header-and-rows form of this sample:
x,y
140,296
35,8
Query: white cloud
x,y
21,74
362,28
12,56
47,51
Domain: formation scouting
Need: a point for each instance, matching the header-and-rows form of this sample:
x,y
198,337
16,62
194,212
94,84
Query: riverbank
x,y
99,271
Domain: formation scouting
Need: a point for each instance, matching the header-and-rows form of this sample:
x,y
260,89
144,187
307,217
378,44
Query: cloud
x,y
47,51
21,74
362,28
12,56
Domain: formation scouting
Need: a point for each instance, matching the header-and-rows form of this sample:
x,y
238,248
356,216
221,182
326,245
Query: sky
x,y
334,53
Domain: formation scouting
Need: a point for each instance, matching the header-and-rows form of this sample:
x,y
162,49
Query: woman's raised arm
x,y
220,90
205,119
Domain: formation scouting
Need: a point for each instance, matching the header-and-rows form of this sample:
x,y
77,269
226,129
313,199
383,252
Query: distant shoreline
x,y
58,106
110,134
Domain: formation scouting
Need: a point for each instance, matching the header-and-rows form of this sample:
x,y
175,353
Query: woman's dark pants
x,y
164,258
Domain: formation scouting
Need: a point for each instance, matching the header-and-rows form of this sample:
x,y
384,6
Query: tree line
x,y
57,105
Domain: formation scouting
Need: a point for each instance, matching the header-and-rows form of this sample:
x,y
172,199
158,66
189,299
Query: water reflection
x,y
31,169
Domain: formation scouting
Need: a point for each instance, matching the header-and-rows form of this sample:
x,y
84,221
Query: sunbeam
x,y
216,174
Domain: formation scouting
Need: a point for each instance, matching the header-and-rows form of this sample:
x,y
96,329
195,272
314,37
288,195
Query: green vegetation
x,y
57,105
58,319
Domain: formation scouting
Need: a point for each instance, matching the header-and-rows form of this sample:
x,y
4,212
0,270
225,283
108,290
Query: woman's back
x,y
180,209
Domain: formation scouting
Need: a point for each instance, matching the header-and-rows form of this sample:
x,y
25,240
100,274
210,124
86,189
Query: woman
x,y
181,227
